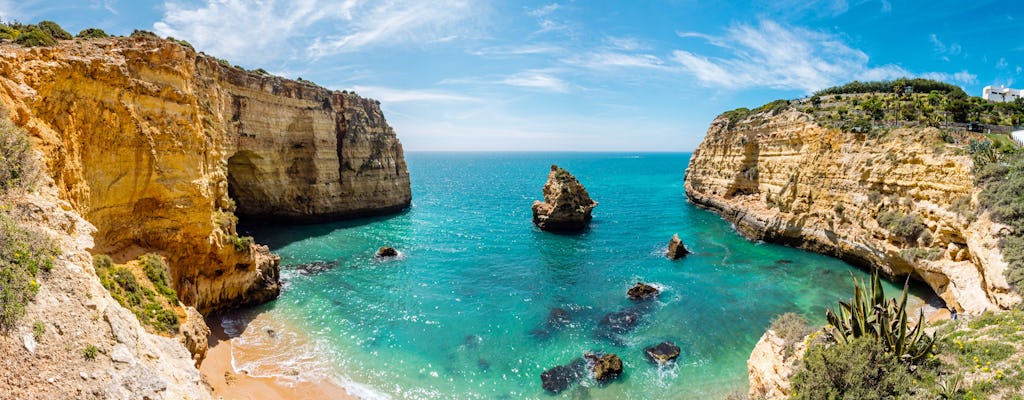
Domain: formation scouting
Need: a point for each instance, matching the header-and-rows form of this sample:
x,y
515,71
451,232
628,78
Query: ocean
x,y
462,313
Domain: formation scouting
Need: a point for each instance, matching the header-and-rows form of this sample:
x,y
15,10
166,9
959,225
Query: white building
x,y
1001,94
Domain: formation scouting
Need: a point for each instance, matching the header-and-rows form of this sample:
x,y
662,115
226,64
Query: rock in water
x,y
561,377
642,291
676,248
566,206
604,367
385,251
558,318
663,353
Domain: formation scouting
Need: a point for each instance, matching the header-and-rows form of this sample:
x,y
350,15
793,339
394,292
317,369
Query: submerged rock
x,y
558,318
566,206
604,367
676,248
663,353
561,377
642,291
386,251
316,267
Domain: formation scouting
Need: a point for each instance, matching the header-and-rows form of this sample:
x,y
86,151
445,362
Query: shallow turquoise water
x,y
461,313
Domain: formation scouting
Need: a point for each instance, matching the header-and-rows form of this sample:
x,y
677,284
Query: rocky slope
x,y
71,312
157,146
894,200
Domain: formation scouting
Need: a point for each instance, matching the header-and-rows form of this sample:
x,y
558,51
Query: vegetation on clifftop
x,y
147,295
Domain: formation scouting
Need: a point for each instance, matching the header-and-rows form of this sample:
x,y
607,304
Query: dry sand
x,y
229,385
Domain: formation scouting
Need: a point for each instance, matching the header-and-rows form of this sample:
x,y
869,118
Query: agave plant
x,y
871,314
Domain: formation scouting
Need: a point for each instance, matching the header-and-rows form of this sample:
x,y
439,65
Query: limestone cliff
x,y
771,366
566,206
156,146
781,177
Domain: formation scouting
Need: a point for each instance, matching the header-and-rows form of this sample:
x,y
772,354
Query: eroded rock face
x,y
676,248
566,206
782,178
147,139
769,369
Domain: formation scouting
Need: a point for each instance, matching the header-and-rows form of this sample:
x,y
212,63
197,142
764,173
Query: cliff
x,y
900,200
158,147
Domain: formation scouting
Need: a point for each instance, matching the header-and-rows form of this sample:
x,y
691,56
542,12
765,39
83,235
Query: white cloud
x,y
537,80
780,57
963,77
394,95
544,10
942,49
603,60
254,31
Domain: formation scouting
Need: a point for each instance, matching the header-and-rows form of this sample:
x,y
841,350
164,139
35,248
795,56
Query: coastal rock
x,y
158,146
662,353
780,177
676,248
566,206
604,367
642,291
195,335
561,377
316,267
386,251
620,321
769,369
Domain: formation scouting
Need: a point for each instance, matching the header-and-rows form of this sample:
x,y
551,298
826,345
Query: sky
x,y
575,75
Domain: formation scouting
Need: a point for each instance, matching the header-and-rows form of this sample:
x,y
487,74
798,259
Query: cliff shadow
x,y
277,234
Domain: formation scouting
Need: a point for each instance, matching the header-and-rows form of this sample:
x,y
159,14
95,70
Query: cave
x,y
246,183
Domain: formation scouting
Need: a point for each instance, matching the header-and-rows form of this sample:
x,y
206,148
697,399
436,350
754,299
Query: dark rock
x,y
386,251
676,248
316,267
604,367
558,318
642,291
272,333
566,206
662,353
561,377
620,321
540,334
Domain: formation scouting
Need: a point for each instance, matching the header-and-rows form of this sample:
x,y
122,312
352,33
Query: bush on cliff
x,y
860,369
55,31
92,33
136,296
1003,196
34,37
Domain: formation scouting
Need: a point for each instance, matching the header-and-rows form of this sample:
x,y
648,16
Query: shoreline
x,y
218,373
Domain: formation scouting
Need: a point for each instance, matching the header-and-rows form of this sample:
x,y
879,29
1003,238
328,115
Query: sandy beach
x,y
229,385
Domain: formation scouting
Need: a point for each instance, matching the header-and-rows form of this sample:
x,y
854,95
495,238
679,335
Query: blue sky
x,y
575,75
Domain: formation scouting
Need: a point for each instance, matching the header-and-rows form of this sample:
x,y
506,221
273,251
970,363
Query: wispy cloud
x,y
962,77
781,57
253,30
605,60
396,95
942,49
537,80
518,50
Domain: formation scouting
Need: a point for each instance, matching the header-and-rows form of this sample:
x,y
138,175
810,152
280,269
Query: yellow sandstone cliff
x,y
779,176
158,146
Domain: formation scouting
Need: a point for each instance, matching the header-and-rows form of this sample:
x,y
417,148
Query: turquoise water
x,y
462,312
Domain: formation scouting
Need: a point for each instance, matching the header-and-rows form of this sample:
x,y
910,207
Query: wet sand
x,y
226,384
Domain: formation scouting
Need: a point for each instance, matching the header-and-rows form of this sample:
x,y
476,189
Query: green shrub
x,y
38,330
184,43
34,37
156,270
909,228
859,369
55,31
90,352
792,328
138,33
1003,196
136,297
241,243
19,170
92,33
102,262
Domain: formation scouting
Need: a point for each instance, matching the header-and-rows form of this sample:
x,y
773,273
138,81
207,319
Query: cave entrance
x,y
246,182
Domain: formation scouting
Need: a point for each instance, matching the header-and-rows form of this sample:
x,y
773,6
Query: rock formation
x,y
558,318
566,206
642,291
158,146
779,176
386,251
676,248
769,369
662,353
604,367
561,377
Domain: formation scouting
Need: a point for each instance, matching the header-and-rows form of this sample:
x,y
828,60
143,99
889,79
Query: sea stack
x,y
566,206
676,248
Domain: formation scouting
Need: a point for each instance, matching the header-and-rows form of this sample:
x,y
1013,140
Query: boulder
x,y
663,353
604,367
386,251
642,291
676,248
561,377
566,206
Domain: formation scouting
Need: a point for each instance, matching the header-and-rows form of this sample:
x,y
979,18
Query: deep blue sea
x,y
462,313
